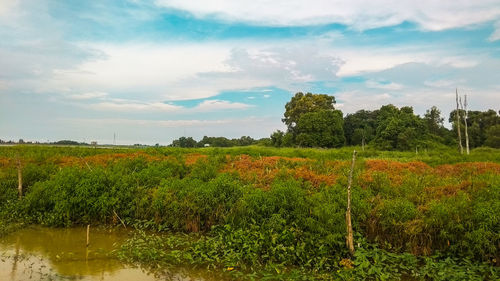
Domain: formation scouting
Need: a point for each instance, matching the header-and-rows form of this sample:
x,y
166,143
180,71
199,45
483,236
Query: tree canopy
x,y
313,121
304,103
322,128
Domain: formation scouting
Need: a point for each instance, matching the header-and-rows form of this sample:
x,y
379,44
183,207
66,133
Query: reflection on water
x,y
38,253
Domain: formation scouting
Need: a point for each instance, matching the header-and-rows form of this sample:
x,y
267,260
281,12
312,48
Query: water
x,y
39,253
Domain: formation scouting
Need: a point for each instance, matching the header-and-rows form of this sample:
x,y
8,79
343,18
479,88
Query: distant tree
x,y
277,138
323,128
244,141
434,123
311,120
493,136
216,142
67,142
399,129
304,103
184,142
360,126
433,120
288,140
478,124
264,142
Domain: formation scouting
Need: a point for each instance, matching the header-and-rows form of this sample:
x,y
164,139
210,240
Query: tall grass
x,y
271,208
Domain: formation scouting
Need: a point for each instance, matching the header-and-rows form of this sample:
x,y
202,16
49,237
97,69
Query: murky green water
x,y
39,253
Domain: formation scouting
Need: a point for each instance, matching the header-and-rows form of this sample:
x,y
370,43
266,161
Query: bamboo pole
x,y
458,125
123,223
88,235
363,140
19,178
350,235
465,121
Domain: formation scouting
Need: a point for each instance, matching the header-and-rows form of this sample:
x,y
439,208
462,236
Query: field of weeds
x,y
427,216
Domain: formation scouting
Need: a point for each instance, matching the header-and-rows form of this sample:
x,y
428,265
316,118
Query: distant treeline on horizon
x,y
313,121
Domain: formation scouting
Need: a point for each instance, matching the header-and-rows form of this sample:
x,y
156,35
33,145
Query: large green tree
x,y
434,123
360,125
304,103
323,128
312,121
493,136
433,120
184,142
478,123
399,129
277,138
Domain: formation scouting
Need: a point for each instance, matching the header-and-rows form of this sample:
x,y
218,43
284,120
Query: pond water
x,y
39,253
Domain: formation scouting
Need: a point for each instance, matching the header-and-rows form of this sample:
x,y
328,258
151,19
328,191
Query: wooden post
x,y
363,140
465,116
458,125
88,235
19,178
123,223
350,235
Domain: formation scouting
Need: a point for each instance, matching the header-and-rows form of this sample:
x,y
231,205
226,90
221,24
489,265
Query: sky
x,y
152,71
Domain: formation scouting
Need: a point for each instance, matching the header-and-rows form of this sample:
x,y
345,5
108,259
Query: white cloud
x,y
123,105
214,105
459,61
361,14
443,83
353,100
7,7
88,96
496,34
129,106
152,123
361,60
288,68
150,69
383,85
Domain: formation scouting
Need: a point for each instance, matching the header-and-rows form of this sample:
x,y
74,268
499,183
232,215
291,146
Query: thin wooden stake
x,y
458,125
465,116
350,235
88,235
119,219
363,140
19,178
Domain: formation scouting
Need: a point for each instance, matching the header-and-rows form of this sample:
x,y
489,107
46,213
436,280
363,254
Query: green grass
x,y
437,223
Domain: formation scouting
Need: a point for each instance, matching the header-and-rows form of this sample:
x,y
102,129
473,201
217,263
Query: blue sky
x,y
152,71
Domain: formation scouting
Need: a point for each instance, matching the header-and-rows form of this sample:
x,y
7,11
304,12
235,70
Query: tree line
x,y
313,121
218,142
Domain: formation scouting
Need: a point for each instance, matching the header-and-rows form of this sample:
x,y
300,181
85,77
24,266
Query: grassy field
x,y
272,213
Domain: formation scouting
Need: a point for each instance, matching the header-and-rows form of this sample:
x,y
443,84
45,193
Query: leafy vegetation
x,y
273,213
312,121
